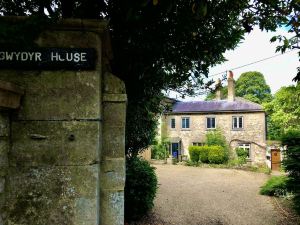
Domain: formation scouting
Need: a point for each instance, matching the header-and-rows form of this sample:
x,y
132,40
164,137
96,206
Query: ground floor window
x,y
197,144
246,147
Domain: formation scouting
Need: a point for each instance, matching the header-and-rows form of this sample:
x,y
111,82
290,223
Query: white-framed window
x,y
185,122
246,147
173,123
237,122
210,122
197,144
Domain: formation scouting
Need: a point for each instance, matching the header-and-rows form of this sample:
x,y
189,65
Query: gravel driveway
x,y
194,196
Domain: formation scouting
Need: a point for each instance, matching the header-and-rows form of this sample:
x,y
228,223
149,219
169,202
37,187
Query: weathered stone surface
x,y
112,205
114,114
113,85
51,195
57,137
54,143
56,96
10,95
113,173
113,146
4,124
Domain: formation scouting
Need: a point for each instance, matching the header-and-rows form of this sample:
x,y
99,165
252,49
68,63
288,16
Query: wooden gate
x,y
275,159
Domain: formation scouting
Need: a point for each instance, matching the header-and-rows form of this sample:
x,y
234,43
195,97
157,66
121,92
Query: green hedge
x,y
208,154
216,154
194,153
203,153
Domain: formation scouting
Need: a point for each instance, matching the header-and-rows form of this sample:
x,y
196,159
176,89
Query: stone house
x,y
242,122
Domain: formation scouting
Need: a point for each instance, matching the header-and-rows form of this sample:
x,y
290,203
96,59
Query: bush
x,y
194,153
275,186
158,151
140,188
203,153
292,164
216,138
216,155
241,152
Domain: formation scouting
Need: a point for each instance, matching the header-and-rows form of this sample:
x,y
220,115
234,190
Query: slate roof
x,y
239,105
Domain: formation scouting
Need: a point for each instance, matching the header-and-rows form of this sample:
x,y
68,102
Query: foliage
x,y
140,188
292,164
194,153
207,154
161,45
284,111
275,186
251,86
217,155
216,137
241,152
159,150
203,153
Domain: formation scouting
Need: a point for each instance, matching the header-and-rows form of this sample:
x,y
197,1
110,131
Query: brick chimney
x,y
231,91
218,90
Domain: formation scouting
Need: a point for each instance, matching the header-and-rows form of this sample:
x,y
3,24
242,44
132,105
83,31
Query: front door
x,y
174,150
275,159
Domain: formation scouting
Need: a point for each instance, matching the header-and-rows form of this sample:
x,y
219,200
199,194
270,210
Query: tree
x,y
157,45
284,110
251,86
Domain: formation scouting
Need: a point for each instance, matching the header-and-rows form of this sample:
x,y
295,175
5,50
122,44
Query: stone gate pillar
x,y
66,161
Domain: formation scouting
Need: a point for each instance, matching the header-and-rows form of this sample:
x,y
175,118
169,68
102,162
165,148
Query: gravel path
x,y
196,196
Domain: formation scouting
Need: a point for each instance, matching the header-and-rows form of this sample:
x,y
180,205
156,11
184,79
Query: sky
x,y
278,71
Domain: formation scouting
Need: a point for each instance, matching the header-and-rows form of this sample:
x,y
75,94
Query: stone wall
x,y
253,131
66,157
4,148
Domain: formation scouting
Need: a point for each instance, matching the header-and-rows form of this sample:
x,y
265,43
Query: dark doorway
x,y
174,150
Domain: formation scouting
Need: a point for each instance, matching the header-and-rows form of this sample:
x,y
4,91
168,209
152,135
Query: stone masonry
x,y
254,131
62,152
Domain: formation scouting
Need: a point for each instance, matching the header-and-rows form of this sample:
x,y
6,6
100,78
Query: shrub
x,y
194,153
216,154
140,188
203,153
241,152
275,186
214,138
292,164
159,150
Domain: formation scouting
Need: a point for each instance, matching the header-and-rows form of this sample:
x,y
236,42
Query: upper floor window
x,y
185,122
237,122
210,122
173,123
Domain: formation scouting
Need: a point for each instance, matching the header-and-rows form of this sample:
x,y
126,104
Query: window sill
x,y
238,129
208,129
185,129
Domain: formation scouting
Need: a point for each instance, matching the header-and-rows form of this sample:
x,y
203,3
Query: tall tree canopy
x,y
284,111
253,86
250,85
161,45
